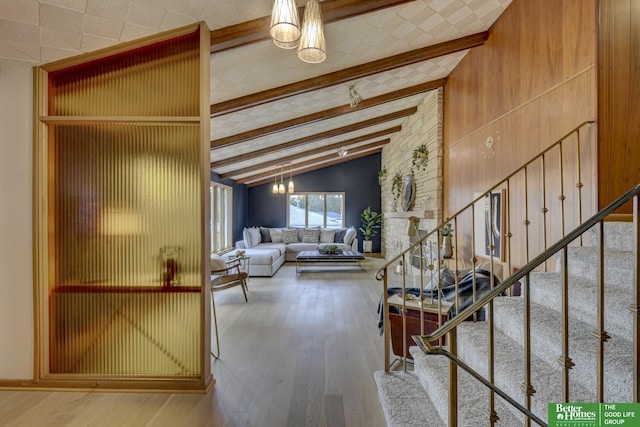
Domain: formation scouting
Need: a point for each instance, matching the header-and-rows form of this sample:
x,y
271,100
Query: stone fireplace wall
x,y
424,127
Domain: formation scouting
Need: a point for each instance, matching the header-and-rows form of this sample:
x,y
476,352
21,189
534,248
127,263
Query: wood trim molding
x,y
259,153
257,29
330,113
348,74
270,174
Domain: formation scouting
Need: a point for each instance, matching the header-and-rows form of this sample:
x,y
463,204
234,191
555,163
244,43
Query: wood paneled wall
x,y
618,93
532,82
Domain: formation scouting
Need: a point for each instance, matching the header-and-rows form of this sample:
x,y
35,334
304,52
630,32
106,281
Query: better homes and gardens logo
x,y
574,414
594,414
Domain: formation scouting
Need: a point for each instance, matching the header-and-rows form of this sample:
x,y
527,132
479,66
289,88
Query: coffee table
x,y
317,258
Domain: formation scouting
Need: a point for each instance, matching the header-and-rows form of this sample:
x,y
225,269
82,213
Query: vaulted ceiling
x,y
269,110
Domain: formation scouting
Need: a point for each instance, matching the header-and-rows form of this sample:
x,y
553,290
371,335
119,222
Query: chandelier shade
x,y
285,24
291,186
312,47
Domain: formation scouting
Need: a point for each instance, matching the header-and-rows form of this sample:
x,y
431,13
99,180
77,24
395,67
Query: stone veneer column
x,y
424,127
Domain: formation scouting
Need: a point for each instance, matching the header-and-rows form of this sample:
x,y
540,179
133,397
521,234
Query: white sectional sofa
x,y
269,248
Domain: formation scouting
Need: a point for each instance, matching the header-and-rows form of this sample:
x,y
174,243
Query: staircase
x,y
421,398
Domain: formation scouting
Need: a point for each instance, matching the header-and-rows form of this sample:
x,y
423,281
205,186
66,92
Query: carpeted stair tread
x,y
404,401
546,343
546,289
433,371
583,262
509,368
617,235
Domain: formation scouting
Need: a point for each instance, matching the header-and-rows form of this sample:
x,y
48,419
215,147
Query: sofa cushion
x,y
311,235
327,236
251,237
276,235
350,235
265,235
290,236
298,247
280,247
339,236
263,256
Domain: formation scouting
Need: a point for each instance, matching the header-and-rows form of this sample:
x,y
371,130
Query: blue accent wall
x,y
358,179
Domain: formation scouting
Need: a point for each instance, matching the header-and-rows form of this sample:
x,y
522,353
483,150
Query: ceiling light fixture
x,y
285,24
281,189
342,152
312,47
291,186
354,97
278,188
287,33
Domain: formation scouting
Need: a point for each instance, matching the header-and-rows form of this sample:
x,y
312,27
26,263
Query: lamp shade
x,y
275,189
285,23
291,186
281,188
312,47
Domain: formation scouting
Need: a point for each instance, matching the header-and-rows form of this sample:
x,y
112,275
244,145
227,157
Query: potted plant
x,y
382,175
446,233
396,186
371,223
330,249
420,157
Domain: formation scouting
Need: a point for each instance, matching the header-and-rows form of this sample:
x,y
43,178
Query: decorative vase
x,y
367,245
446,249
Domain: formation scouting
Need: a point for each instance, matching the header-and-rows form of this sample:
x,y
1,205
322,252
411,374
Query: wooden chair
x,y
225,275
230,276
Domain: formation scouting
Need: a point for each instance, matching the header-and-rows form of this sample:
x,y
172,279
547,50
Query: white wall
x,y
16,272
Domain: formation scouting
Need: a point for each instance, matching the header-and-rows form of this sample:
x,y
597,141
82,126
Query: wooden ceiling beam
x,y
270,174
337,161
310,138
325,148
258,29
328,114
349,74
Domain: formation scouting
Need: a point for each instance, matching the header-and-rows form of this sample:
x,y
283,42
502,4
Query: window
x,y
221,217
316,209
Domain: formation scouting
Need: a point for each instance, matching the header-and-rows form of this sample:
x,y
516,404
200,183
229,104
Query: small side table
x,y
245,262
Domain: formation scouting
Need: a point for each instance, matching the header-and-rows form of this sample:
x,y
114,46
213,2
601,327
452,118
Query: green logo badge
x,y
594,414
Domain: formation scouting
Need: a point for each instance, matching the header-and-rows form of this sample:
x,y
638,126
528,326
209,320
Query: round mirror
x,y
408,192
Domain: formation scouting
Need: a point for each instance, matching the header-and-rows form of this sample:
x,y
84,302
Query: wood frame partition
x,y
121,216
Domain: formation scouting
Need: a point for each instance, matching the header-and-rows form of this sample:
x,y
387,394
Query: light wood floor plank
x,y
301,352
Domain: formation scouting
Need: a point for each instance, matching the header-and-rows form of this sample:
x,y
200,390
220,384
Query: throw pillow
x,y
327,236
311,235
276,235
251,237
350,236
265,235
217,263
339,237
290,236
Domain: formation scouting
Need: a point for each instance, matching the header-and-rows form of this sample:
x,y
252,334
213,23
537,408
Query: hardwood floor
x,y
301,352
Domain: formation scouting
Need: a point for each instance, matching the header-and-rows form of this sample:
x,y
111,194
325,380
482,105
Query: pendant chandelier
x,y
291,186
287,33
279,188
285,25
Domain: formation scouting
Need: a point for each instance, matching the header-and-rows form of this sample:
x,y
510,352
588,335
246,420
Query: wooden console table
x,y
434,317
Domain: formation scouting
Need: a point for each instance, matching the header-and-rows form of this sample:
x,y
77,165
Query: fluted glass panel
x,y
158,80
125,244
